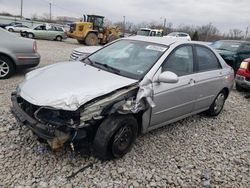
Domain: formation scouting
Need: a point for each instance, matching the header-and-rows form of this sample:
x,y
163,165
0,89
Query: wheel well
x,y
226,90
138,117
12,60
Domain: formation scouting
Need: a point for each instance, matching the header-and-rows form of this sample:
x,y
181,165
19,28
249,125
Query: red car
x,y
242,78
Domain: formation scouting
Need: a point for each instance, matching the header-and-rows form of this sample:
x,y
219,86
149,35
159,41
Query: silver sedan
x,y
131,86
16,53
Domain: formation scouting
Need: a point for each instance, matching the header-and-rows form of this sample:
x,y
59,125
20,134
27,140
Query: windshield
x,y
143,32
128,58
226,45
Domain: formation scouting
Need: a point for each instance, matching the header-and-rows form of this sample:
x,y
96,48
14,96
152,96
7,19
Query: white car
x,y
81,52
16,28
178,35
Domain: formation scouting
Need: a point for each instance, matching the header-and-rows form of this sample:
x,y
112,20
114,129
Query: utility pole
x,y
21,9
124,24
50,12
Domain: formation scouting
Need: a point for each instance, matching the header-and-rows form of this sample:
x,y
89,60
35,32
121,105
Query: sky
x,y
225,15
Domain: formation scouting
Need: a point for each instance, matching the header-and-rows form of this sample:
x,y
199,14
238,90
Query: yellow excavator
x,y
91,31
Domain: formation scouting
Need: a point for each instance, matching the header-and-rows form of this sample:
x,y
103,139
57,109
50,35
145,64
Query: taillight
x,y
244,65
34,47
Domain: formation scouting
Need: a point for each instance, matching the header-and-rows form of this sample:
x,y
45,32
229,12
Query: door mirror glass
x,y
168,77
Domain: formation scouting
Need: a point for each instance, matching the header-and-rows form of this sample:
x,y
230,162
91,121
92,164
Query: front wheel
x,y
11,30
115,136
58,38
91,39
218,104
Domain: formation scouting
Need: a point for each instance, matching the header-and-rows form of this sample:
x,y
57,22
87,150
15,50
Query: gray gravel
x,y
195,152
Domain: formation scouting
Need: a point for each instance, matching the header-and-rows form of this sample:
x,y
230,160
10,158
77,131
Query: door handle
x,y
191,82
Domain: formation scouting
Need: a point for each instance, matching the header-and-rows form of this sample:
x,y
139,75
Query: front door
x,y
174,101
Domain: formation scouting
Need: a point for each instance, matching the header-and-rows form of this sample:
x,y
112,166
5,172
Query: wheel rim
x,y
122,140
4,68
30,35
219,102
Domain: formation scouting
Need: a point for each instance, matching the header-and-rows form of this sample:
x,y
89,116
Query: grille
x,y
75,55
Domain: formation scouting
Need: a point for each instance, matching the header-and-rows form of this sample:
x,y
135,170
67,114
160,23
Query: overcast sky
x,y
224,15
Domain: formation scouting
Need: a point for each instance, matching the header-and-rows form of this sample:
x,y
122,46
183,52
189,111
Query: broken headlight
x,y
57,117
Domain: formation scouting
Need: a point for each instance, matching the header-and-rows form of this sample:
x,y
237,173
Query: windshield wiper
x,y
115,70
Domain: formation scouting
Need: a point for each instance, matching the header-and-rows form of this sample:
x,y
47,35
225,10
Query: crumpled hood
x,y
69,85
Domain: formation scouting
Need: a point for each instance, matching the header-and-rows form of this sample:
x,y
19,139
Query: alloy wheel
x,y
219,102
4,68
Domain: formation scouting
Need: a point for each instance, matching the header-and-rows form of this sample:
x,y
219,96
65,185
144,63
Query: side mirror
x,y
168,77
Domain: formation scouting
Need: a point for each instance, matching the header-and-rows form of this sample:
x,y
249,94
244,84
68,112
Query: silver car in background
x,y
16,53
81,52
131,86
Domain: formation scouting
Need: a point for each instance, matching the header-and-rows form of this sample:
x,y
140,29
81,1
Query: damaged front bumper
x,y
55,137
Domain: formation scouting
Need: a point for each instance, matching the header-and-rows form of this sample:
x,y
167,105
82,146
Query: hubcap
x,y
122,140
219,102
4,68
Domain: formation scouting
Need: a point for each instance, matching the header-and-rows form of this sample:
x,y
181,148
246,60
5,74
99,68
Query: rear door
x,y
208,77
176,100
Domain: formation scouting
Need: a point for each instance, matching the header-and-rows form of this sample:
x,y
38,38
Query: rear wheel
x,y
59,38
115,136
91,39
30,35
218,104
6,67
11,30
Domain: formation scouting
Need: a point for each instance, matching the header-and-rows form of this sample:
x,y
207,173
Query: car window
x,y
152,33
182,35
206,59
180,61
246,48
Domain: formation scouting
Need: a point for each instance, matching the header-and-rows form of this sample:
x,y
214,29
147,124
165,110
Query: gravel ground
x,y
195,152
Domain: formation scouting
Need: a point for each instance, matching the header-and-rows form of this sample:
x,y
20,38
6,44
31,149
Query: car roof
x,y
158,40
239,41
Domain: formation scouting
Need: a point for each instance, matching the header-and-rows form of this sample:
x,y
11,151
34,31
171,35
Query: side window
x,y
246,48
206,59
152,33
180,61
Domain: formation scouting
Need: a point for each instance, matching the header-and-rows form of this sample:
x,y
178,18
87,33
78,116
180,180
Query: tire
x,y
80,41
11,30
218,104
23,34
6,67
30,35
239,88
91,39
59,38
115,136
